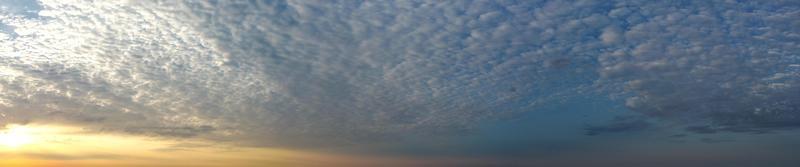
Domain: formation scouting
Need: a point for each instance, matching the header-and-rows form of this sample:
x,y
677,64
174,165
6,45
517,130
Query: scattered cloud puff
x,y
730,64
322,73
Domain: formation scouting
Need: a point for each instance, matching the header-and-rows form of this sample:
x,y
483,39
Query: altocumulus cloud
x,y
306,73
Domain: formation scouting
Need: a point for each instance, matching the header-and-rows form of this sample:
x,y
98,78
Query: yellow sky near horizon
x,y
40,145
58,145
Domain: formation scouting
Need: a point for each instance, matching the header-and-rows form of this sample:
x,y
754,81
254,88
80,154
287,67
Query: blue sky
x,y
509,82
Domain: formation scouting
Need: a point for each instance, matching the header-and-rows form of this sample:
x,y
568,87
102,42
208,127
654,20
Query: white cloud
x,y
324,72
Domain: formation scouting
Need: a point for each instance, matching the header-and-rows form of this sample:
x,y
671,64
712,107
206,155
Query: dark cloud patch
x,y
182,131
712,140
619,124
183,147
56,156
558,63
736,129
701,129
83,118
678,136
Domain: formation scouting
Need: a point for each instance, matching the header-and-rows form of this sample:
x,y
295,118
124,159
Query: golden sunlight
x,y
15,136
40,145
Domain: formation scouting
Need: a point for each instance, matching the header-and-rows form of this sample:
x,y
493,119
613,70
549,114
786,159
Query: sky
x,y
399,83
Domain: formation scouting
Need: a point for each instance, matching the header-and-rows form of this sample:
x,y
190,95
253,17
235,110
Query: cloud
x,y
619,124
185,131
746,128
730,71
183,147
678,136
701,129
712,141
327,73
56,156
285,73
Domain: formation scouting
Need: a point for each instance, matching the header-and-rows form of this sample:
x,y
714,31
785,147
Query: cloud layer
x,y
306,73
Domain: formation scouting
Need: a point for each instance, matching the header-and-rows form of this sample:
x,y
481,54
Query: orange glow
x,y
38,145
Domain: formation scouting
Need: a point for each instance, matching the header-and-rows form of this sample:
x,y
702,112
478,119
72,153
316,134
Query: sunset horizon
x,y
355,83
